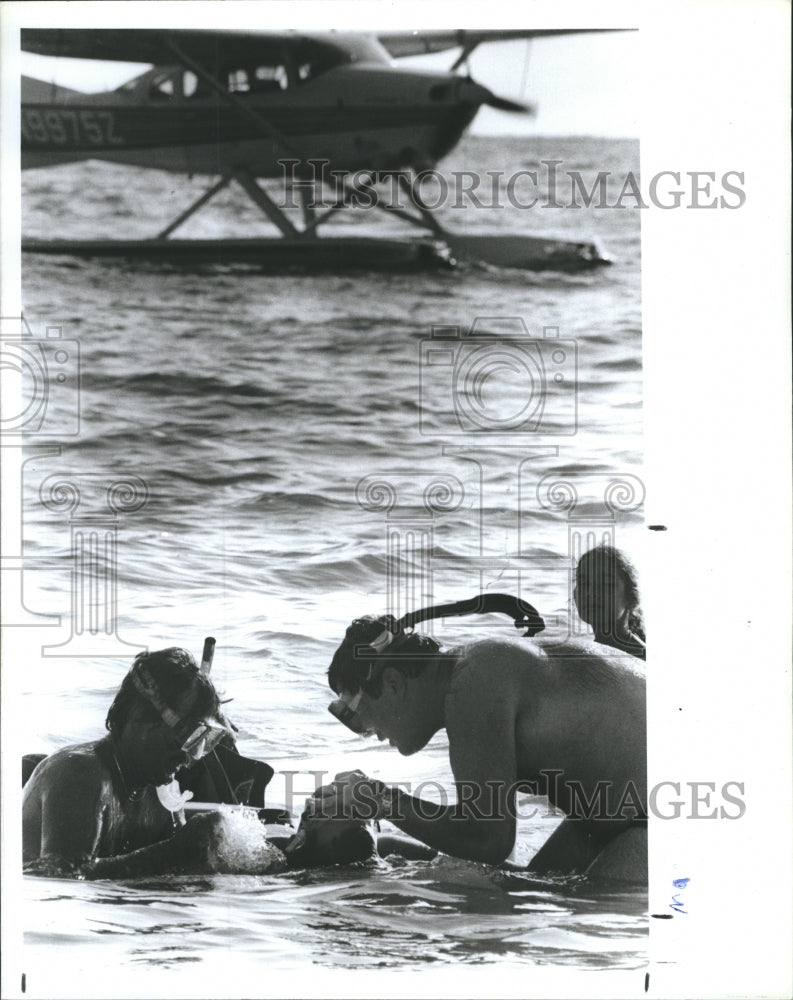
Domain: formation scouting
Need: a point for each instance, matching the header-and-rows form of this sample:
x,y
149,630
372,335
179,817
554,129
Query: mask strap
x,y
353,703
146,685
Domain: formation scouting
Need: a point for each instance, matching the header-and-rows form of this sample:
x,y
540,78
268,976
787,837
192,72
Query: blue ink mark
x,y
677,902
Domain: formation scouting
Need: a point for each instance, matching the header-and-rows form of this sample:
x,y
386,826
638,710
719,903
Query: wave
x,y
307,501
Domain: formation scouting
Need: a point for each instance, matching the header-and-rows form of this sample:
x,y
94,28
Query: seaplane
x,y
330,114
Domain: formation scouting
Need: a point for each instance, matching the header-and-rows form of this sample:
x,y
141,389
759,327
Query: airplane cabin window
x,y
189,83
177,84
270,78
238,81
162,89
280,66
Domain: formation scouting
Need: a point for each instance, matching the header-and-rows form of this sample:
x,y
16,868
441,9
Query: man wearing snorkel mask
x,y
564,724
93,810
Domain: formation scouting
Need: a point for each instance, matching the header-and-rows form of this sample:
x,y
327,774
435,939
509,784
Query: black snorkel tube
x,y
207,655
521,612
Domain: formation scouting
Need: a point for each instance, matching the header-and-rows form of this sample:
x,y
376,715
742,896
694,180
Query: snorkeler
x,y
93,810
607,598
562,723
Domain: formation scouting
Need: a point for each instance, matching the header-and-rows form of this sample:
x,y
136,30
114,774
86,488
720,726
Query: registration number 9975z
x,y
69,127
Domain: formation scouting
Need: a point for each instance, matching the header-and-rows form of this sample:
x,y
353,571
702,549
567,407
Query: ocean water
x,y
291,460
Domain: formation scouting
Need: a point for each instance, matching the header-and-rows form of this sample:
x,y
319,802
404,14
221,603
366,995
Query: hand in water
x,y
352,795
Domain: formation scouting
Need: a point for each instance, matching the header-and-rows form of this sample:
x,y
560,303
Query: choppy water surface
x,y
261,413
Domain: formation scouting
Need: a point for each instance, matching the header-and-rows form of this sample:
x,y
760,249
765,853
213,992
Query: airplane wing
x,y
415,43
143,45
152,45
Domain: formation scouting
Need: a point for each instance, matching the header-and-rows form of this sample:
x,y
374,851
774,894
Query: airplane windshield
x,y
363,48
312,58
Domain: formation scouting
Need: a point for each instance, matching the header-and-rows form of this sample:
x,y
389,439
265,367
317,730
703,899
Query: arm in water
x,y
93,810
480,722
213,843
87,831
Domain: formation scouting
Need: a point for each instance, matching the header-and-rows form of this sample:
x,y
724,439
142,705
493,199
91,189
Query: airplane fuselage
x,y
297,105
354,117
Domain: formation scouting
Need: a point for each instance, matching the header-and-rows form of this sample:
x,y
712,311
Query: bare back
x,y
72,811
561,718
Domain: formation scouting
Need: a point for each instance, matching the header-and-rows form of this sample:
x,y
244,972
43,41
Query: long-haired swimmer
x,y
606,595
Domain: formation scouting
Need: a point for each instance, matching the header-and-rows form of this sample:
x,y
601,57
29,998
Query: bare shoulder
x,y
502,651
493,668
496,664
595,658
77,765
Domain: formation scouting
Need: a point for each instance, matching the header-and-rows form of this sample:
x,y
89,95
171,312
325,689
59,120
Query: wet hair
x,y
607,555
175,672
349,670
351,844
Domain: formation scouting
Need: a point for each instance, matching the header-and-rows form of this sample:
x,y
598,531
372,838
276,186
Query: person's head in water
x,y
606,595
166,714
384,678
330,841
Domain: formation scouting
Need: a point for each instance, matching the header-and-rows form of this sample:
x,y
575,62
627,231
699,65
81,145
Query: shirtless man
x,y
519,719
92,810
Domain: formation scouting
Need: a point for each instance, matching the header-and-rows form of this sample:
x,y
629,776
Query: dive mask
x,y
204,738
345,709
195,741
